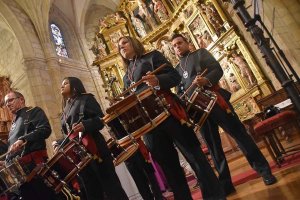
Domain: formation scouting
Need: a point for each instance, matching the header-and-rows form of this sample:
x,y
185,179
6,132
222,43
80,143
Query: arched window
x,y
60,46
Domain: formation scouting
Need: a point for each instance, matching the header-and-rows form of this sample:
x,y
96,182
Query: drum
x,y
12,177
121,153
64,165
136,115
199,105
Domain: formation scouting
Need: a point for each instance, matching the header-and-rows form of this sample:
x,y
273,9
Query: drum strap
x,y
87,139
176,109
220,99
144,150
37,157
26,126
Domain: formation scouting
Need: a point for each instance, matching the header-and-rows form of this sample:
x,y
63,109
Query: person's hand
x,y
78,127
200,81
150,80
16,146
55,146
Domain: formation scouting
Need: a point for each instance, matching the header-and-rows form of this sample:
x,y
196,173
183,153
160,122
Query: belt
x,y
36,157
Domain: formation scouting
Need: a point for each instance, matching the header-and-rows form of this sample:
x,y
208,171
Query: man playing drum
x,y
29,130
160,140
222,114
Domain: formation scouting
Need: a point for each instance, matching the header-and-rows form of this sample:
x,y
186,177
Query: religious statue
x,y
160,9
120,17
204,40
98,48
102,24
168,51
138,26
213,17
145,13
243,67
234,85
114,38
223,84
188,12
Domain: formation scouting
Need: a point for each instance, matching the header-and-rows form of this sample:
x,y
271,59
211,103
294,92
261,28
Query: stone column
x,y
38,11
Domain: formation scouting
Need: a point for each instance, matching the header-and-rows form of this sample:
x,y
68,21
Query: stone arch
x,y
14,24
14,47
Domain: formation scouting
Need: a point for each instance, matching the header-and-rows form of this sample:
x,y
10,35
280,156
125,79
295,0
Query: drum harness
x,y
81,135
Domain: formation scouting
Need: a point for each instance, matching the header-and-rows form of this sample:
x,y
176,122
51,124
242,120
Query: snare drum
x,y
136,115
12,177
121,153
200,104
64,165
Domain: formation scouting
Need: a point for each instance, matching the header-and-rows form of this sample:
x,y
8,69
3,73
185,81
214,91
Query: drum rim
x,y
144,129
114,113
125,155
7,171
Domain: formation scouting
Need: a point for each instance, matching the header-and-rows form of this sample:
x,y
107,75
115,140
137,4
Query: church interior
x,y
42,42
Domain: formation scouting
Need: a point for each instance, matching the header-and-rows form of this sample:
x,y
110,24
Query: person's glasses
x,y
10,100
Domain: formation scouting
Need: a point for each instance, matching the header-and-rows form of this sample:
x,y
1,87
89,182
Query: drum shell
x,y
65,165
136,115
121,153
12,176
200,105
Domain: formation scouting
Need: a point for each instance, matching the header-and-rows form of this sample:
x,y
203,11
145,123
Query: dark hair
x,y
176,35
76,86
137,46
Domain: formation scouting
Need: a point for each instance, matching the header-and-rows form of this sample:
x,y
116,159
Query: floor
x,y
287,187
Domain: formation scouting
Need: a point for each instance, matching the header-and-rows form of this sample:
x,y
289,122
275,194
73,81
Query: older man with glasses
x,y
26,143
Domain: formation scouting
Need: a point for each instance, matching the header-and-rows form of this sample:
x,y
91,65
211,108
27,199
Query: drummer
x,y
82,114
29,130
161,139
191,65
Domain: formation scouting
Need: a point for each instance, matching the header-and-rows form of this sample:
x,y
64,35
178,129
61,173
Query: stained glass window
x,y
60,46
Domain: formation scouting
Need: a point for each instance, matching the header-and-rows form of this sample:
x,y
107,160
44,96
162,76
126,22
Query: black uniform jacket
x,y
195,63
91,119
168,77
38,130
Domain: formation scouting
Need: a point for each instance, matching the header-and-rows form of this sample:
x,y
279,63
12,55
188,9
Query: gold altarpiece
x,y
205,24
5,114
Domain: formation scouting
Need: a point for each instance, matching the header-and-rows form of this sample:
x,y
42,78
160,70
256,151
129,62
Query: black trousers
x,y
160,142
234,127
144,177
100,181
37,189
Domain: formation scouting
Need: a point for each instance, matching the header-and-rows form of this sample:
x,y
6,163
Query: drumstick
x,y
193,84
140,81
3,155
68,135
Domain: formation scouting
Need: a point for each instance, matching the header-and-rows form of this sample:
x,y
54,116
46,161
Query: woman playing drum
x,y
82,113
162,138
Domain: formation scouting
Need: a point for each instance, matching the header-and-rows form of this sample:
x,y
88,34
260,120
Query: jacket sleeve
x,y
92,115
38,127
168,77
214,69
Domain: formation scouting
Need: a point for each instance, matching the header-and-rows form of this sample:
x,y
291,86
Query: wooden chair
x,y
267,130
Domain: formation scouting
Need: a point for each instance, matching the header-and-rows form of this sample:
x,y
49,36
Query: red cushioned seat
x,y
274,122
266,129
